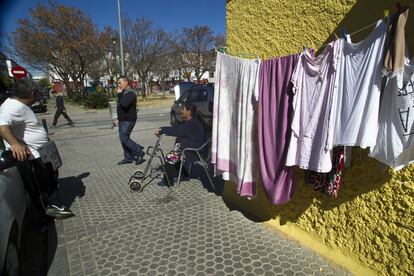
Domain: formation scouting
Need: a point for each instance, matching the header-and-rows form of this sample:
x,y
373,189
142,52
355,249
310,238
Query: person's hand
x,y
116,123
119,90
157,131
20,151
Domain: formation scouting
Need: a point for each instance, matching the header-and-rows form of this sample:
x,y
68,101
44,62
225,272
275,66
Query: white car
x,y
13,203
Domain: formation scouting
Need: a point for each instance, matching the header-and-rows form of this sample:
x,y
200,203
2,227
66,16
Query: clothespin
x,y
386,14
304,47
343,33
398,6
222,50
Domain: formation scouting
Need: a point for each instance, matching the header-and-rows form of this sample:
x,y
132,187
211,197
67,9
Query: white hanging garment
x,y
395,141
233,138
356,101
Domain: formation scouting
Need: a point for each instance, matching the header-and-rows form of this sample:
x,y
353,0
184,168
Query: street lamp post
x,y
120,39
113,61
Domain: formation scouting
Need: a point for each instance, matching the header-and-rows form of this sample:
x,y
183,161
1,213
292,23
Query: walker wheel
x,y
135,186
138,174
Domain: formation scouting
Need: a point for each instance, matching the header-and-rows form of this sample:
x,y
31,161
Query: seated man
x,y
190,134
24,136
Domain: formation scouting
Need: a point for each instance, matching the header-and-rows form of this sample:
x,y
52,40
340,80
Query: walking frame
x,y
141,178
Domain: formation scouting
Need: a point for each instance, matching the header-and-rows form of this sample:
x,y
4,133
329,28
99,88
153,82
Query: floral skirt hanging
x,y
329,183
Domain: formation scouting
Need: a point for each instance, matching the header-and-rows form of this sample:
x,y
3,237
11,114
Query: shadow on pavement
x,y
72,187
38,244
218,182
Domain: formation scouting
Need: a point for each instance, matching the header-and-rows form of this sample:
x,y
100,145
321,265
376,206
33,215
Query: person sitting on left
x,y
190,134
24,136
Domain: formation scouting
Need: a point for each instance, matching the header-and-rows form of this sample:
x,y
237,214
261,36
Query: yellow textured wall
x,y
372,219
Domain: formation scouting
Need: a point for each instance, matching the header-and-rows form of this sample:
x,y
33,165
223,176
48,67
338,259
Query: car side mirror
x,y
6,159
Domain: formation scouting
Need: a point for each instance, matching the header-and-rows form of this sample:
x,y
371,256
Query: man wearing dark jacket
x,y
61,110
127,117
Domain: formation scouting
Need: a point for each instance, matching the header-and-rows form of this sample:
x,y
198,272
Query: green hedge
x,y
96,100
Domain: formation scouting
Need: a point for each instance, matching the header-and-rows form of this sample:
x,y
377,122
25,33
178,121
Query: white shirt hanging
x,y
356,100
395,141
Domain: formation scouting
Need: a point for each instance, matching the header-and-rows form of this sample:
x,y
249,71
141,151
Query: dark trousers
x,y
40,181
131,149
61,111
172,170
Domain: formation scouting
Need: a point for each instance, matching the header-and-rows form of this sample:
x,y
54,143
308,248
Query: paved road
x,y
158,231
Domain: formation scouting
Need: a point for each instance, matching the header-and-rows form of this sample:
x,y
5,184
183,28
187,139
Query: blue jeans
x,y
131,149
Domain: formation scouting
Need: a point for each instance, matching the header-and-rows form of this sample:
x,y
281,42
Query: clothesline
x,y
353,33
364,28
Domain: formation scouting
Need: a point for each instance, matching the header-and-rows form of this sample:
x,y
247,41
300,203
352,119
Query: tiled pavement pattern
x,y
158,231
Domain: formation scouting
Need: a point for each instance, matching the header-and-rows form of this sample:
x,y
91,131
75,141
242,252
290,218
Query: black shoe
x,y
139,158
59,212
125,161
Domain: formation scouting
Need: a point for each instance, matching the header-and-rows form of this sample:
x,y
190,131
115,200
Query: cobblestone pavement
x,y
158,231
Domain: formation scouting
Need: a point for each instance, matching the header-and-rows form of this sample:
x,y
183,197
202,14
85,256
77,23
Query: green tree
x,y
60,39
44,83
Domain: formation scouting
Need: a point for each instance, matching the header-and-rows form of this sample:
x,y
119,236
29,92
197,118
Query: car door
x,y
12,210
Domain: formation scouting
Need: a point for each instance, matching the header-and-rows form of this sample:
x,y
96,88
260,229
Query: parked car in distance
x,y
202,97
39,107
180,88
89,89
44,95
13,204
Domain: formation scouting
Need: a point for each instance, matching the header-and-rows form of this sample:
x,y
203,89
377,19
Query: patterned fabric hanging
x,y
329,183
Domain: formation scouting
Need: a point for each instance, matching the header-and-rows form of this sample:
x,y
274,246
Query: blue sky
x,y
169,14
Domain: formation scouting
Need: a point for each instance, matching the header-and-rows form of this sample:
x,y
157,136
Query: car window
x,y
184,96
197,95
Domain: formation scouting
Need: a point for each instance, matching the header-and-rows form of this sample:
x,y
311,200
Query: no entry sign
x,y
18,72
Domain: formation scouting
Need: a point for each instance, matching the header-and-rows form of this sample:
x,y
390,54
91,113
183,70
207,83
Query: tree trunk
x,y
144,92
163,88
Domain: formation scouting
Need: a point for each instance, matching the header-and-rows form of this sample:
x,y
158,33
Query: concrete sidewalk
x,y
158,231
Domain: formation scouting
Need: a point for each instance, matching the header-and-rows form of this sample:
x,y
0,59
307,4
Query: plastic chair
x,y
205,150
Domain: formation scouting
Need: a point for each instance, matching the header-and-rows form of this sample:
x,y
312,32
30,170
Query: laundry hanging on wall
x,y
313,87
395,45
336,103
395,140
233,136
329,183
356,102
274,119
